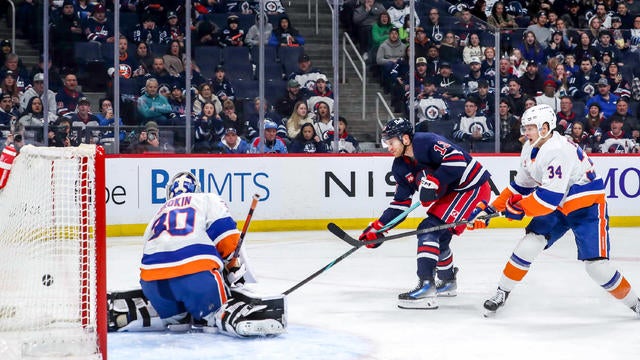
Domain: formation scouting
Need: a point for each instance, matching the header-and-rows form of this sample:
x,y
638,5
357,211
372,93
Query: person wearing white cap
x,y
271,143
38,90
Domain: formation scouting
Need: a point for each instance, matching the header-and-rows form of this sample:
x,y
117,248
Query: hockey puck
x,y
47,280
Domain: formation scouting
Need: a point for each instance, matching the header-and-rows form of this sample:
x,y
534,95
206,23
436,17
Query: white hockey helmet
x,y
182,182
538,115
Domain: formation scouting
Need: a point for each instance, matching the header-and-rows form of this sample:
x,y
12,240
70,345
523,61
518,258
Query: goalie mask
x,y
181,183
539,115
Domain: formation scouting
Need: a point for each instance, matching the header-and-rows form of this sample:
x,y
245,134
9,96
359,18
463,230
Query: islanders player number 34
x,y
557,185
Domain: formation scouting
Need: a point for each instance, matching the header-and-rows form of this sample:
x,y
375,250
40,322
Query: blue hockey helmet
x,y
182,182
397,127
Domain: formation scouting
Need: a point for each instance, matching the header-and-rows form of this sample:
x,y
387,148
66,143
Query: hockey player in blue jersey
x,y
190,272
450,183
556,185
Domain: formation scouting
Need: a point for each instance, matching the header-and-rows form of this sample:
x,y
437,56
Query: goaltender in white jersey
x,y
557,185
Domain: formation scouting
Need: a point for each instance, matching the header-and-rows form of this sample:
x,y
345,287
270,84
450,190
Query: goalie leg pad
x,y
245,315
132,311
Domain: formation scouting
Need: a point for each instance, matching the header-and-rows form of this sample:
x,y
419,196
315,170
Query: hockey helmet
x,y
538,115
181,183
396,127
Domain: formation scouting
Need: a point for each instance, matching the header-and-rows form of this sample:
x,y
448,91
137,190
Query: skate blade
x,y
420,304
260,328
489,314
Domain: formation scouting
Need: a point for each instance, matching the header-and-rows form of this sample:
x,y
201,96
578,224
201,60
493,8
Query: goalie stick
x,y
337,231
391,223
245,227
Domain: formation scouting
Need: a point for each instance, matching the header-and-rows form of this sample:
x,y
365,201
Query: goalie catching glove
x,y
234,273
371,233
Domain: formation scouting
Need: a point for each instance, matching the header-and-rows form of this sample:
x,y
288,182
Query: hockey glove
x,y
234,273
428,188
371,233
513,210
481,211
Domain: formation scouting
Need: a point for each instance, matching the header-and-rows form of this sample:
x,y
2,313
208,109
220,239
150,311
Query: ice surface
x,y
349,312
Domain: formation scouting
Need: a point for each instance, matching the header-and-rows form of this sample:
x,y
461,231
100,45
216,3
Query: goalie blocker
x,y
244,315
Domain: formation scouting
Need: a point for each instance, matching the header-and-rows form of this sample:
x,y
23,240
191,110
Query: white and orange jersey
x,y
559,175
191,232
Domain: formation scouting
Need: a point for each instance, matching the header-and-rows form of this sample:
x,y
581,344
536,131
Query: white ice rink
x,y
349,312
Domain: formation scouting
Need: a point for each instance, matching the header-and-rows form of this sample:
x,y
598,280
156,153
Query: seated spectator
x,y
34,114
172,30
604,98
540,30
230,118
144,58
146,31
389,52
380,30
84,8
285,34
561,78
232,35
593,120
617,141
449,51
159,72
485,98
557,46
231,143
67,98
221,85
518,63
147,141
500,19
578,136
472,127
531,49
399,11
582,84
465,26
364,16
434,28
474,76
585,49
154,107
516,98
529,101
207,33
511,139
346,142
448,85
84,123
271,142
619,85
253,34
8,86
60,134
178,102
323,120
307,74
98,28
66,30
532,82
206,95
549,96
208,130
174,59
285,105
307,141
566,116
298,117
320,93
106,118
430,107
253,120
8,115
630,123
20,73
473,49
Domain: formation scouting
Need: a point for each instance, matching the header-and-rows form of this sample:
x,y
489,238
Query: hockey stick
x,y
395,220
337,231
245,227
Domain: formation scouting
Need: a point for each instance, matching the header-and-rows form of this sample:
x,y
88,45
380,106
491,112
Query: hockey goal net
x,y
52,255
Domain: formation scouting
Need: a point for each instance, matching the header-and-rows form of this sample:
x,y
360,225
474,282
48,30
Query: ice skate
x,y
636,308
495,302
424,296
447,288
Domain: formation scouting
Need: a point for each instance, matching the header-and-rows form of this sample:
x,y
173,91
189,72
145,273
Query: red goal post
x,y
53,255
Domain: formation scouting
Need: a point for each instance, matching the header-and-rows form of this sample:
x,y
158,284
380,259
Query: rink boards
x,y
304,193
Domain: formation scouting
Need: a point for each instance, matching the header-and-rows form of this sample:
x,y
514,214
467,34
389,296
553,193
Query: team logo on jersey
x,y
432,112
410,178
125,71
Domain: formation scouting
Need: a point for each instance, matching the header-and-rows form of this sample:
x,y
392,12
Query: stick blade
x,y
337,231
